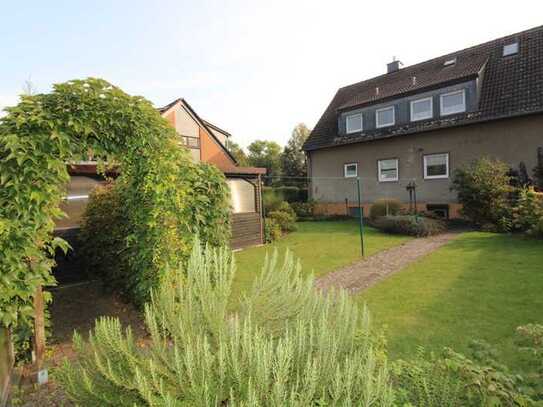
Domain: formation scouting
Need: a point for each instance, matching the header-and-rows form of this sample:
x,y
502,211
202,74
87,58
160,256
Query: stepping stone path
x,y
366,272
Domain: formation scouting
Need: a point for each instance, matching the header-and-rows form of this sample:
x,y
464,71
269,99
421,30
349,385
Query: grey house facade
x,y
420,123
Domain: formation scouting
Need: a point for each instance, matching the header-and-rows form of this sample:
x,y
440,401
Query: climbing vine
x,y
163,189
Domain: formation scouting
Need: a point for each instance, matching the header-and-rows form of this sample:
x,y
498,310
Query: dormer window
x,y
510,49
384,117
421,109
453,102
353,123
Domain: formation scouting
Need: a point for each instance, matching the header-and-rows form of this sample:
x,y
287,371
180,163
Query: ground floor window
x,y
436,166
388,170
350,170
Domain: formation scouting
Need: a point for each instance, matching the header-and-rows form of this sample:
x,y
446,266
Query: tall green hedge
x,y
44,132
106,231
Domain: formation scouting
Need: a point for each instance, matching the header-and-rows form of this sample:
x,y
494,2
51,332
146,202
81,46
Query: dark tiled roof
x,y
510,86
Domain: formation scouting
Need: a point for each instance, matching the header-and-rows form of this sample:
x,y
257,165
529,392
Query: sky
x,y
255,68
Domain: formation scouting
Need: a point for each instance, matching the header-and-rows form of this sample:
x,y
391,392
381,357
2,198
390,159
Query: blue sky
x,y
255,68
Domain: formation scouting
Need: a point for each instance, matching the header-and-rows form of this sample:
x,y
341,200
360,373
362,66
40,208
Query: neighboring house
x,y
207,143
421,122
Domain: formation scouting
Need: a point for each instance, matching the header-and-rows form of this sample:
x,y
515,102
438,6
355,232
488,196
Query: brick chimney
x,y
394,65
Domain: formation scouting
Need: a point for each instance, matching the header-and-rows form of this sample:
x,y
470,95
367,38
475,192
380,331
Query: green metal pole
x,y
361,210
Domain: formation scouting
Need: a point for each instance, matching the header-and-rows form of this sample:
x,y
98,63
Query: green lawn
x,y
480,286
321,246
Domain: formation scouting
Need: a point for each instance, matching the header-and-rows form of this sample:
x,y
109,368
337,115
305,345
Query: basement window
x,y
350,170
354,123
510,49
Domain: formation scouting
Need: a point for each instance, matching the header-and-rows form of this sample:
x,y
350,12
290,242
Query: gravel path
x,y
365,273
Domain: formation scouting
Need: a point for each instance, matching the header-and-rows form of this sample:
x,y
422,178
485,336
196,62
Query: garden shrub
x,y
272,230
303,209
273,196
287,345
452,379
285,217
385,207
483,190
105,230
158,179
528,210
411,225
529,340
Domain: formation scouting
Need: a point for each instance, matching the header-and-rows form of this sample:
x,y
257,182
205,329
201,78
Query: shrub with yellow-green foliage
x,y
287,345
106,231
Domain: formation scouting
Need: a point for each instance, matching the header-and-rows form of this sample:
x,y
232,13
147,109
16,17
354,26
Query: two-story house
x,y
420,123
206,142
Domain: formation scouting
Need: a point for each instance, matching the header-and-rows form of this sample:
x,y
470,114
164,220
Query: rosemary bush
x,y
286,345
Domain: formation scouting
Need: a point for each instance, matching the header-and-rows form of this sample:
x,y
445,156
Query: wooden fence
x,y
6,365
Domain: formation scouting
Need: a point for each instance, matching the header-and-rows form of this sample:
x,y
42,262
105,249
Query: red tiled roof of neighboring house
x,y
509,86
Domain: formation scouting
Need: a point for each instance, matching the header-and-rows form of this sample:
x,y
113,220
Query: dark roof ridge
x,y
450,54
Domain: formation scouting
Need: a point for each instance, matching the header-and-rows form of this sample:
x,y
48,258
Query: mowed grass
x,y
479,286
321,246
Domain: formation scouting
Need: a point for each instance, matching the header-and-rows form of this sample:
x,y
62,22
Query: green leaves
x,y
161,202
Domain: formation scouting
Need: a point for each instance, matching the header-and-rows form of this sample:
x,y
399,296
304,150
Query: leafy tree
x,y
293,160
287,345
483,190
238,153
266,154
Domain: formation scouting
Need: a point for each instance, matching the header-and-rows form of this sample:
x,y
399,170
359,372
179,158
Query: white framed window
x,y
384,117
422,109
353,123
436,166
350,170
388,170
510,49
453,102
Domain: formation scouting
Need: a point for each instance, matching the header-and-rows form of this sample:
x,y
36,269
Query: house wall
x,y
213,153
220,136
185,125
510,140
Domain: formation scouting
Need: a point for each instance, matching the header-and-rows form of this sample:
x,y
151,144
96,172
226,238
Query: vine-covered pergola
x,y
43,133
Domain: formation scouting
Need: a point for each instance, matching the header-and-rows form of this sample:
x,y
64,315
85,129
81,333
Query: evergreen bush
x,y
285,217
528,210
412,225
287,345
272,230
303,209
